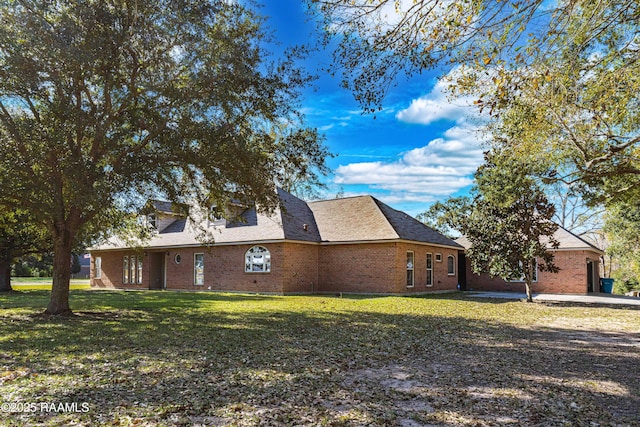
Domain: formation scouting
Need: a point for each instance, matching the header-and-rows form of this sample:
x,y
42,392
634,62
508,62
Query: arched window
x,y
257,260
451,265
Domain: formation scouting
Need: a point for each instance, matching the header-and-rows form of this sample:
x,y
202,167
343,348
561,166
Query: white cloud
x,y
436,105
434,171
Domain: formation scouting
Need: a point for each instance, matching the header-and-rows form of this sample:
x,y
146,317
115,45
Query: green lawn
x,y
179,359
44,283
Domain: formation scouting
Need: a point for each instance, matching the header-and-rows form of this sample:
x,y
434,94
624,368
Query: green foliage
x,y
447,217
75,264
508,221
106,104
38,265
575,106
511,227
297,175
622,227
379,40
19,236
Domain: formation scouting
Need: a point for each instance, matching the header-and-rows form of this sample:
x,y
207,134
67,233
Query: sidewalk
x,y
600,299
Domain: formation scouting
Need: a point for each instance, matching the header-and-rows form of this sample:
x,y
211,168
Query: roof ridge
x,y
341,198
377,203
581,239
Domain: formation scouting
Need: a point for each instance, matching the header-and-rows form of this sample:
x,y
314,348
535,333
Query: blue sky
x,y
419,149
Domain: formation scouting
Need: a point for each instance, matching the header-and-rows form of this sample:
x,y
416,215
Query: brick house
x,y
355,245
578,260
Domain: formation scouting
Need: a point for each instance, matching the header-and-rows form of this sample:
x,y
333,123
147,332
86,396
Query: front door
x,y
590,276
462,271
156,270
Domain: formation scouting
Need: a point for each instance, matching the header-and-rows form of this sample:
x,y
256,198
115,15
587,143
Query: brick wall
x,y
571,279
300,269
112,266
224,270
295,268
441,280
381,268
360,268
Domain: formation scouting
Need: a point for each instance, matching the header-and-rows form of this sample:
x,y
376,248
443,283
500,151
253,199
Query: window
x,y
198,269
438,257
132,270
215,216
125,270
97,264
429,269
177,259
152,221
409,269
535,274
451,265
257,260
139,272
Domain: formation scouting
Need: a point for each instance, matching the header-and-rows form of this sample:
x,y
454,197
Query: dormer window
x,y
152,221
215,216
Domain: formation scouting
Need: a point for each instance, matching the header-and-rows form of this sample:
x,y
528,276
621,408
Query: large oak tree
x,y
104,101
560,79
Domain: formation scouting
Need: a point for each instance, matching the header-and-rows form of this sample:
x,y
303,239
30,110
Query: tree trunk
x,y
5,271
527,286
59,300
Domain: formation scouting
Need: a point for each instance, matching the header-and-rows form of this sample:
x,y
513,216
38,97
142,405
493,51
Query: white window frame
x,y
429,281
138,269
197,276
251,257
411,262
152,221
438,257
97,267
125,270
132,269
451,273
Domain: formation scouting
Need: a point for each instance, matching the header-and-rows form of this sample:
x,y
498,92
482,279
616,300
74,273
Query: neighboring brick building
x,y
355,245
578,260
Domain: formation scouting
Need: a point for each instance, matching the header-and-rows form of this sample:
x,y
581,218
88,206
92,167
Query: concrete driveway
x,y
600,299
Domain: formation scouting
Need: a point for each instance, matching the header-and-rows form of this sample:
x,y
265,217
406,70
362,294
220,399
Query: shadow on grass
x,y
223,359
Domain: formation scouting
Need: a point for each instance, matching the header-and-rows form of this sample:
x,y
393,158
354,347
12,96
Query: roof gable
x,y
365,218
351,219
568,240
409,228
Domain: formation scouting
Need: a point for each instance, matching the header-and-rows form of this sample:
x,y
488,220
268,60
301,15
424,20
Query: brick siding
x,y
571,279
295,268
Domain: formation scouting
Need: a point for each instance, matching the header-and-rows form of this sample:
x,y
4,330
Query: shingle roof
x,y
409,228
297,218
365,218
162,206
566,239
352,219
